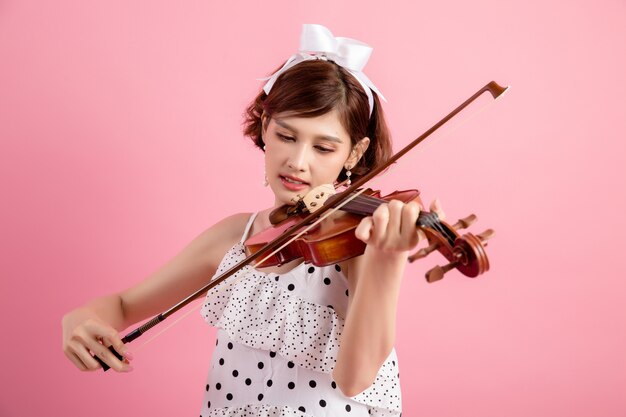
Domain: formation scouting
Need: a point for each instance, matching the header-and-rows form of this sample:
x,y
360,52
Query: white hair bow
x,y
317,42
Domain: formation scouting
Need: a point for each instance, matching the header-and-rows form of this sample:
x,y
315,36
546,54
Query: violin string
x,y
436,224
362,205
369,202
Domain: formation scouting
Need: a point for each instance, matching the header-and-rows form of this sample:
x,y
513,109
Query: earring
x,y
348,174
265,181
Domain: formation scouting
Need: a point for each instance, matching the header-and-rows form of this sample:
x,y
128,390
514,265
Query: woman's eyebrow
x,y
294,130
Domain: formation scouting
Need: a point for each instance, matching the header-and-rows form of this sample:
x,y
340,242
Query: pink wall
x,y
120,142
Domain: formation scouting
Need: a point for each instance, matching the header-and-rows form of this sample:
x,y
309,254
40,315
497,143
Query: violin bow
x,y
334,203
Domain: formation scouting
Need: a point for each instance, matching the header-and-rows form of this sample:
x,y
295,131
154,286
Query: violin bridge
x,y
316,198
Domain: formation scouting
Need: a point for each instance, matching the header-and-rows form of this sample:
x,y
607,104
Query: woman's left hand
x,y
391,228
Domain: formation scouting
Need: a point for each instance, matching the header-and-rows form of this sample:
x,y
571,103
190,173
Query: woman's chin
x,y
282,196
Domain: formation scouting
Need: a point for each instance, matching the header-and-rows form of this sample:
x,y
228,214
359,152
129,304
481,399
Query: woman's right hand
x,y
92,328
85,335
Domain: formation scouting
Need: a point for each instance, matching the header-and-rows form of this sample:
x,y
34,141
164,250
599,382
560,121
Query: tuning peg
x,y
465,223
486,235
437,273
422,253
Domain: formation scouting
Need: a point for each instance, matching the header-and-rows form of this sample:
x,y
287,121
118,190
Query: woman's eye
x,y
323,150
285,138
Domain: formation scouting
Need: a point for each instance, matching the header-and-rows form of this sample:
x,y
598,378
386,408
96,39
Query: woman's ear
x,y
358,151
265,121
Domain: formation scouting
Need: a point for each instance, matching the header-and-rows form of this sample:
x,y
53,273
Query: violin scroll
x,y
465,253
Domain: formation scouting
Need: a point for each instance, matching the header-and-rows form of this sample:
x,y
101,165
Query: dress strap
x,y
248,227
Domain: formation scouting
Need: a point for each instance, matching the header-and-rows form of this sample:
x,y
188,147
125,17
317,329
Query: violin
x,y
333,240
465,253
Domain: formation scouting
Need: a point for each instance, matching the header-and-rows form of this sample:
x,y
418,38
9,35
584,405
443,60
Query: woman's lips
x,y
292,186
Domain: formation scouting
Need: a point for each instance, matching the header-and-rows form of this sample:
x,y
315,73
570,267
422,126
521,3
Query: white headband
x,y
317,42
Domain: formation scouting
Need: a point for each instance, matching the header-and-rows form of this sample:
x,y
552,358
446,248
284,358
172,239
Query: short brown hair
x,y
313,88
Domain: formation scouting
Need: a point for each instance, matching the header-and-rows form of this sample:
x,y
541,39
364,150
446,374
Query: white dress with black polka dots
x,y
277,343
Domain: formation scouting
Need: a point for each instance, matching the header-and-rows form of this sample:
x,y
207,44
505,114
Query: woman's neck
x,y
262,222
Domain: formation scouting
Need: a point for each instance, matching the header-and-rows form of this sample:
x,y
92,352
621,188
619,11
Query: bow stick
x,y
333,203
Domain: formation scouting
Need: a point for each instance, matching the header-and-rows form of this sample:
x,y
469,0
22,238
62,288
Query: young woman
x,y
294,340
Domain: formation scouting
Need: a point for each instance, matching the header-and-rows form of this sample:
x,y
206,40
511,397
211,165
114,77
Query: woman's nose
x,y
298,160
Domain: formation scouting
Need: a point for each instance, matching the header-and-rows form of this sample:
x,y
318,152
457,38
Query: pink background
x,y
120,142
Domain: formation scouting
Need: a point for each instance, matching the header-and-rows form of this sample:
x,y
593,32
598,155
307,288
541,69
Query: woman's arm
x,y
370,327
374,286
187,272
103,317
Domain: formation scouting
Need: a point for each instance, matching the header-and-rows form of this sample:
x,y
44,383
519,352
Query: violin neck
x,y
365,205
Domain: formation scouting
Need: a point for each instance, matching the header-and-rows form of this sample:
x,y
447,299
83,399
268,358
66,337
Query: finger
x,y
409,231
421,235
107,336
101,350
395,219
85,357
364,229
113,339
435,206
380,217
75,360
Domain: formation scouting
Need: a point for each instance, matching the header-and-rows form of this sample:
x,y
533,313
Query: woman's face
x,y
302,153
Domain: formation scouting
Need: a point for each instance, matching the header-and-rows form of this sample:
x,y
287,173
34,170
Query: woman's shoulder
x,y
230,228
184,273
214,242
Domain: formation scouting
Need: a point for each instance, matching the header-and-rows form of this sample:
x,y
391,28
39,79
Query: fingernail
x,y
128,355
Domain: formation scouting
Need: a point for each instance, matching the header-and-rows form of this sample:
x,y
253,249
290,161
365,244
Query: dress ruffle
x,y
257,312
262,315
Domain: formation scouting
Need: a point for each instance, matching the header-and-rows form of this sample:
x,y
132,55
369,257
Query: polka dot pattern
x,y
277,344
